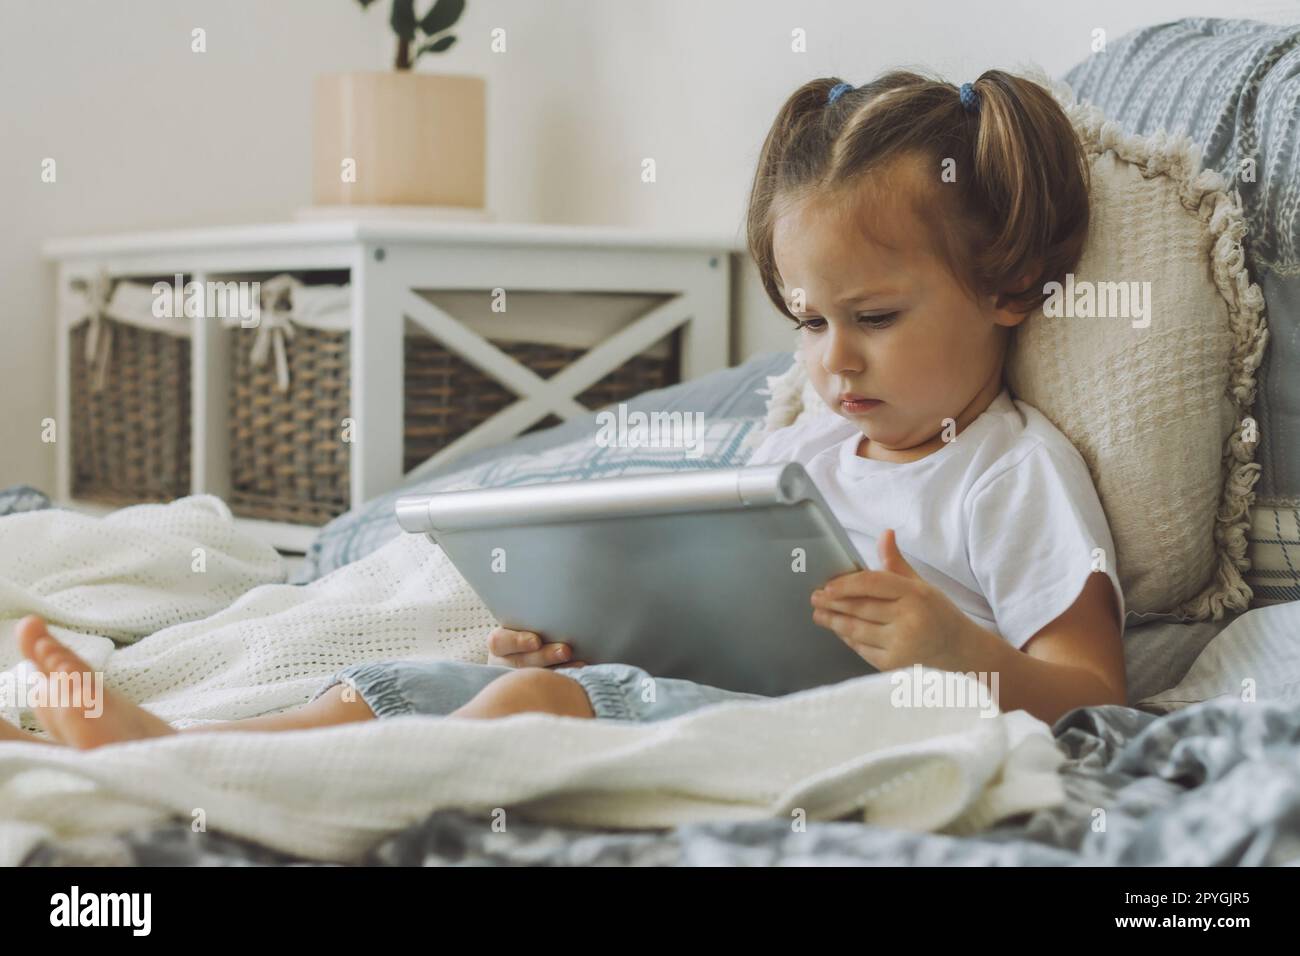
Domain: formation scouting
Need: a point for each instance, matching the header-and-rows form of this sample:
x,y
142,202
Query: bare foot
x,y
94,717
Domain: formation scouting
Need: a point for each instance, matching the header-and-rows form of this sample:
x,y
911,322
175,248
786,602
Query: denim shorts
x,y
437,687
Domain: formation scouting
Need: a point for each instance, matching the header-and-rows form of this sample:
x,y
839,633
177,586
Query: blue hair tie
x,y
970,100
838,90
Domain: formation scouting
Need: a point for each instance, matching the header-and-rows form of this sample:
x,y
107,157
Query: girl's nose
x,y
841,356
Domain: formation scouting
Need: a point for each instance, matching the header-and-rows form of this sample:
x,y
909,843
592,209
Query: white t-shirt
x,y
1003,519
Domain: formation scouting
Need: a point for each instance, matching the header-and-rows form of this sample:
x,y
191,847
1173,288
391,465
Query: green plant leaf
x,y
444,15
365,3
403,19
437,46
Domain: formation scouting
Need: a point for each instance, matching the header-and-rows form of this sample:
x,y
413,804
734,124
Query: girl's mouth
x,y
859,407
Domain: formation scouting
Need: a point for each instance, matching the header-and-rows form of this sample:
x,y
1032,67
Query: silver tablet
x,y
703,575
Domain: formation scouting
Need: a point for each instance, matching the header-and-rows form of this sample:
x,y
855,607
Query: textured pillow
x,y
1253,659
1159,413
1234,87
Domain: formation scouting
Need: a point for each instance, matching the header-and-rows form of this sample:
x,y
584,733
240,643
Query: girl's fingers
x,y
874,584
505,641
548,656
861,635
874,610
508,647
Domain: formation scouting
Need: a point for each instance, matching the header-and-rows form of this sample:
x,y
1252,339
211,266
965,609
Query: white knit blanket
x,y
203,630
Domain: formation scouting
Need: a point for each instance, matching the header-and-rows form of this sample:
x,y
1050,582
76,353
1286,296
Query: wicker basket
x,y
288,457
446,396
131,439
288,460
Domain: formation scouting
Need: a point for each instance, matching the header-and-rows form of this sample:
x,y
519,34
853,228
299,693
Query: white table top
x,y
270,235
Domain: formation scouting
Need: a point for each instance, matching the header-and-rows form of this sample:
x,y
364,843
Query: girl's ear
x,y
1005,316
1022,285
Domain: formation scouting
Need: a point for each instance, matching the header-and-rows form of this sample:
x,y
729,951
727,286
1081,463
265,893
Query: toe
x,y
66,662
46,653
51,657
44,648
30,630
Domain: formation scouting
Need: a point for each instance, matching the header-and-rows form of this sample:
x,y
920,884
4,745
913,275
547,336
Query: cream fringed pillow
x,y
1159,409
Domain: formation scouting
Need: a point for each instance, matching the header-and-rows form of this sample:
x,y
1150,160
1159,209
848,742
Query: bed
x,y
1195,771
1212,782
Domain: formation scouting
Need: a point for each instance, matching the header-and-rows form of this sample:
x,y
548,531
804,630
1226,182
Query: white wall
x,y
149,135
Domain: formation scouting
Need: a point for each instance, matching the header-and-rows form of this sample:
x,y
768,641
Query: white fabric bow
x,y
99,335
274,325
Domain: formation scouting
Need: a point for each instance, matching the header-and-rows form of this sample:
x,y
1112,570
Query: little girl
x,y
905,226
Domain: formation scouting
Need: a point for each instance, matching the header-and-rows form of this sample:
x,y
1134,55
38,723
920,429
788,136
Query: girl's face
x,y
885,319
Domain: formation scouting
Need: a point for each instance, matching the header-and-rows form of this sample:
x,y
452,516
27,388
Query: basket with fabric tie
x,y
129,390
289,400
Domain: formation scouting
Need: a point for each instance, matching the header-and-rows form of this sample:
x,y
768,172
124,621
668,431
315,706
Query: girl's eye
x,y
872,321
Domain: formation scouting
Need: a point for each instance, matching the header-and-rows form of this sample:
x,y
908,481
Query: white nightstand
x,y
386,262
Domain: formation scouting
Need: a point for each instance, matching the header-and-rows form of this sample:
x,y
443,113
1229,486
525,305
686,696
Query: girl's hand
x,y
511,648
893,617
